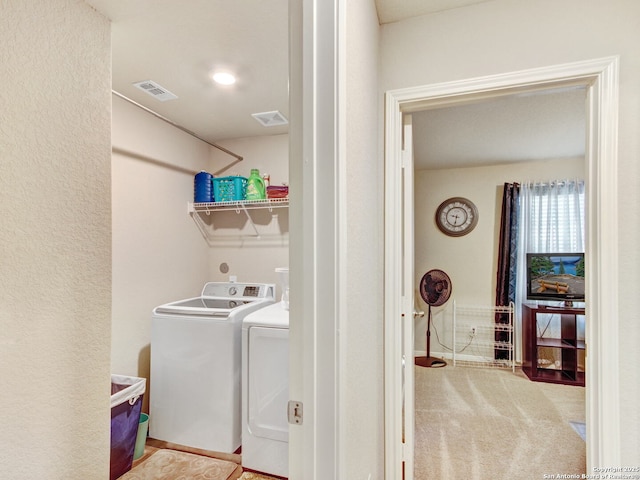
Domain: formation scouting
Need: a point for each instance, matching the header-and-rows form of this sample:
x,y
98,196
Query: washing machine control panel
x,y
251,291
246,291
238,290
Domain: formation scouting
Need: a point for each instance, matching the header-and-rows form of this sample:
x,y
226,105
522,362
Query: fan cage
x,y
435,288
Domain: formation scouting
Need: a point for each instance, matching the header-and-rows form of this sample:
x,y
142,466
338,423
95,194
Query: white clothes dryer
x,y
196,365
265,390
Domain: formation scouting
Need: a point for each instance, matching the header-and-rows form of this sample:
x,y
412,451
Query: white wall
x,y
55,272
268,153
234,241
470,260
510,35
158,252
361,332
337,249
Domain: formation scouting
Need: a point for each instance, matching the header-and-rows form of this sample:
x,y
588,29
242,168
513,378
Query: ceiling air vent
x,y
155,90
270,119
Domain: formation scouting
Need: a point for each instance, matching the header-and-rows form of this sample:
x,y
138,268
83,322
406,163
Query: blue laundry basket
x,y
126,404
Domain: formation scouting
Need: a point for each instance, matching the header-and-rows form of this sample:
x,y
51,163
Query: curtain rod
x,y
165,119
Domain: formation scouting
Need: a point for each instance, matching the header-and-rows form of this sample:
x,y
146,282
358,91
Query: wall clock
x,y
456,216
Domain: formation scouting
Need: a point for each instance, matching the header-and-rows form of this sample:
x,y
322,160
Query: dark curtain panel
x,y
506,284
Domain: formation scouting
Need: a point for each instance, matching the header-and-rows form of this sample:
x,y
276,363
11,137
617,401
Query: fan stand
x,y
429,361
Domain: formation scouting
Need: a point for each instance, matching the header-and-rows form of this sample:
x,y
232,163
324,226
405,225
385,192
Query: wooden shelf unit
x,y
570,347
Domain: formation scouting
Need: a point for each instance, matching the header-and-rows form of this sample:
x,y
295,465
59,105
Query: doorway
x,y
599,78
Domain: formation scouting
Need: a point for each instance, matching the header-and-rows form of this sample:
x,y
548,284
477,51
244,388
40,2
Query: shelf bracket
x,y
253,225
239,206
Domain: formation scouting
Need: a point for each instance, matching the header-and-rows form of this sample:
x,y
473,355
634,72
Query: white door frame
x,y
317,246
600,78
408,291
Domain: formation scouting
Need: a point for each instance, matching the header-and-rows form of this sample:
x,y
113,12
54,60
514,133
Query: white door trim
x,y
408,292
317,247
394,313
600,78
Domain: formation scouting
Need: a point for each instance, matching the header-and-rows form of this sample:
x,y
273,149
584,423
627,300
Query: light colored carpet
x,y
474,423
165,464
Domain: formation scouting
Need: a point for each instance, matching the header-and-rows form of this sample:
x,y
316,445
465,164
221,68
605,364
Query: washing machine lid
x,y
203,306
219,299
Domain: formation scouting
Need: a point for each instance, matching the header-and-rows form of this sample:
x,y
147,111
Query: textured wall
x,y
510,35
55,268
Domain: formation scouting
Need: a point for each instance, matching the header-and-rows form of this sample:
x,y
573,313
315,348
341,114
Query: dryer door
x,y
268,389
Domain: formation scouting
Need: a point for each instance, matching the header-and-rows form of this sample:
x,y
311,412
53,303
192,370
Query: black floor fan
x,y
435,290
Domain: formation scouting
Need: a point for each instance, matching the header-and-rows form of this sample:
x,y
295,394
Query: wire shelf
x,y
196,209
479,332
504,364
239,205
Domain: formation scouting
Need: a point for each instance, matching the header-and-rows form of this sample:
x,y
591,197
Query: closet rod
x,y
165,119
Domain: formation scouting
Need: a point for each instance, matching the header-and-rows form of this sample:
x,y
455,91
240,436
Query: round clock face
x,y
456,216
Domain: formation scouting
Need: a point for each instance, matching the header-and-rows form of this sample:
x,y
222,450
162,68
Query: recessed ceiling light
x,y
224,78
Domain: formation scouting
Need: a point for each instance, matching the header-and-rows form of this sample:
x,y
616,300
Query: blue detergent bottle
x,y
255,186
203,187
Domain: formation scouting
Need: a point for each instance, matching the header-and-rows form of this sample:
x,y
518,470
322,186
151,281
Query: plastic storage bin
x,y
126,405
229,189
141,438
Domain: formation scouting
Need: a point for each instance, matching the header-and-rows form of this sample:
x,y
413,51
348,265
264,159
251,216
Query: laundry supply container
x,y
203,187
126,405
283,280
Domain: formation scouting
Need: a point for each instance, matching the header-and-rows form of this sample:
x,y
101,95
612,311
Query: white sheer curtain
x,y
551,219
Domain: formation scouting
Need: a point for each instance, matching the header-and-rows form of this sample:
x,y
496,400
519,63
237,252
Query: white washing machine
x,y
196,363
265,390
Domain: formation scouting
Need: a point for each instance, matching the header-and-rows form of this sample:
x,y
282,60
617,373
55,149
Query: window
x,y
550,219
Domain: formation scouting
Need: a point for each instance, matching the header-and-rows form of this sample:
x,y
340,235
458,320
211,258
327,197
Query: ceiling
x,y
395,10
528,127
179,48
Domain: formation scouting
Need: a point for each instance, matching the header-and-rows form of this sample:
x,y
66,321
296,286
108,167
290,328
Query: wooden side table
x,y
570,348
